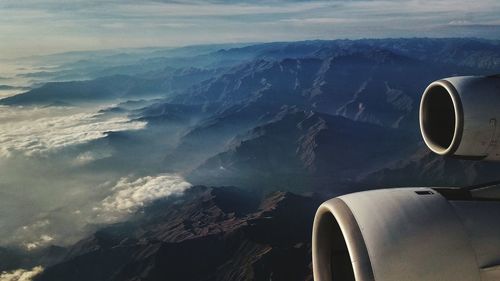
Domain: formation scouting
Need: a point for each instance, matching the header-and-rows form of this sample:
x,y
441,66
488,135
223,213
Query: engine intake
x,y
410,234
416,234
459,116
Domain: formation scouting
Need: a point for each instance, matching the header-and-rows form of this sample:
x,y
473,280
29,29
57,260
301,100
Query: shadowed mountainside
x,y
303,148
206,234
427,169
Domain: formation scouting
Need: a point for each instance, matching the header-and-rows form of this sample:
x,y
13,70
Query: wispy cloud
x,y
44,240
50,25
129,195
308,21
215,9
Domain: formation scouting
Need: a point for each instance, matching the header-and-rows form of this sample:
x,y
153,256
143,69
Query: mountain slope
x,y
427,169
305,150
367,83
207,234
113,88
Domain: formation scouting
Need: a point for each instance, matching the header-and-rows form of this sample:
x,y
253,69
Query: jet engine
x,y
459,116
423,234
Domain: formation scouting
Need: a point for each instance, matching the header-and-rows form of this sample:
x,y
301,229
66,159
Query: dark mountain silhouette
x,y
8,87
111,88
207,234
107,88
10,259
327,76
305,150
367,83
427,169
213,134
13,258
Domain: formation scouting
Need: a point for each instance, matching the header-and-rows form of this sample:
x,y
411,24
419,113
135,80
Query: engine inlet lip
x,y
352,235
459,119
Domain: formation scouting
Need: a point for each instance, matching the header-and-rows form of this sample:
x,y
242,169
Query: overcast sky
x,y
31,27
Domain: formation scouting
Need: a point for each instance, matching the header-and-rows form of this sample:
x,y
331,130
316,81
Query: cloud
x,y
88,157
35,236
52,188
50,25
129,194
216,9
459,22
44,240
47,172
136,9
108,202
36,131
21,274
307,21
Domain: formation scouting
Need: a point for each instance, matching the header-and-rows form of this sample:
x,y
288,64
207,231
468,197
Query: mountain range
x,y
289,124
206,234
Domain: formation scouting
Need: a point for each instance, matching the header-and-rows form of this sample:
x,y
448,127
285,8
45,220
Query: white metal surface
x,y
335,213
416,234
482,223
410,234
413,237
476,101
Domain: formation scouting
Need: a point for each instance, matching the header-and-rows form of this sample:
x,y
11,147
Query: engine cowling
x,y
459,117
423,234
410,234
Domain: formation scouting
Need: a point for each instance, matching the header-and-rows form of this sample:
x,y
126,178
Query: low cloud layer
x,y
129,195
35,131
117,201
59,182
21,274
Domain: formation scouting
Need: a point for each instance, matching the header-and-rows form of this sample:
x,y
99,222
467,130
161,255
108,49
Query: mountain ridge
x,y
233,244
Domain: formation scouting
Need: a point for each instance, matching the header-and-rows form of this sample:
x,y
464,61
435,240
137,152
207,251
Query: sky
x,y
34,27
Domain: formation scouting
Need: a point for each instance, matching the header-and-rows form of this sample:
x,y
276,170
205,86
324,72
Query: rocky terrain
x,y
206,234
289,124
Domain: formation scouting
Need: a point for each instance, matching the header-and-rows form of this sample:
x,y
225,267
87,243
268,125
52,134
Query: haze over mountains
x,y
316,118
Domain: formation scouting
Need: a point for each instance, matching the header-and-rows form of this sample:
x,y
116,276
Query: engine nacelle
x,y
406,234
423,234
459,117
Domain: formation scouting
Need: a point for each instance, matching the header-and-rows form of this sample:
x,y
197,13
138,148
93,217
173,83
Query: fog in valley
x,y
57,175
